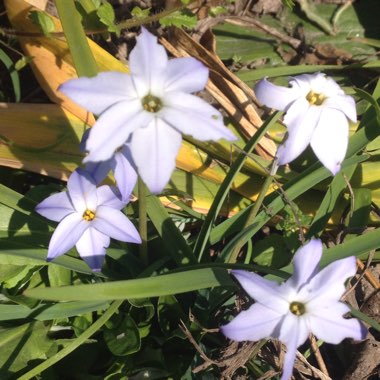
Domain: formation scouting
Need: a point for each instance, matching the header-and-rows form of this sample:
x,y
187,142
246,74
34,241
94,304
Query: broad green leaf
x,y
174,283
21,344
44,21
183,18
170,315
137,12
107,17
123,340
171,236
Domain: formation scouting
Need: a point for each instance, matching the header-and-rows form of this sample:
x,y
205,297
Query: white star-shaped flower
x,y
306,303
150,108
317,113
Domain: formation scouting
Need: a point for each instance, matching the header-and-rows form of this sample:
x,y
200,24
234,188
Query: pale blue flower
x,y
150,108
88,217
317,113
308,302
121,164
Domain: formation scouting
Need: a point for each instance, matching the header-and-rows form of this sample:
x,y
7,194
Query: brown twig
x,y
318,355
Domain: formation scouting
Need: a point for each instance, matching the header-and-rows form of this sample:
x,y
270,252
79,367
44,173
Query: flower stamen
x,y
297,308
314,98
88,215
151,103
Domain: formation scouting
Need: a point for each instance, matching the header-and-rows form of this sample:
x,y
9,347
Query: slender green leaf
x,y
225,187
327,206
13,74
83,59
257,74
174,283
48,312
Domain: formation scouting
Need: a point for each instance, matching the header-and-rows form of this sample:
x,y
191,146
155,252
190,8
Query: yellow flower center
x,y
88,215
151,103
297,308
315,99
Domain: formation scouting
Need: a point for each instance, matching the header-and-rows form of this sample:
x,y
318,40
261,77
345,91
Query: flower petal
x,y
256,323
109,196
55,207
330,139
277,97
125,174
148,61
114,127
154,150
328,284
193,116
82,190
98,93
92,248
343,103
115,224
294,332
99,170
306,261
186,75
329,325
301,120
267,293
66,235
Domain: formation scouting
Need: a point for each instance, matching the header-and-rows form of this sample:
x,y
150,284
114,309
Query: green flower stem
x,y
74,345
143,221
255,209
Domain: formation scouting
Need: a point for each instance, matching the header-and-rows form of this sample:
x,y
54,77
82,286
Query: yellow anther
x,y
151,103
315,98
88,215
297,308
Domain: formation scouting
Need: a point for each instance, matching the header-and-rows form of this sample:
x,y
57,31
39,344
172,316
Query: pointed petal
x,y
92,248
293,333
306,261
98,93
277,97
258,322
186,75
109,196
154,150
330,139
66,235
329,325
55,207
82,190
125,174
267,293
148,61
343,103
193,116
328,284
114,127
301,120
99,170
115,224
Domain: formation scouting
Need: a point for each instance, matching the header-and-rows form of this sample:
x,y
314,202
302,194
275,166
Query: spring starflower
x,y
308,302
150,108
88,217
317,113
120,164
